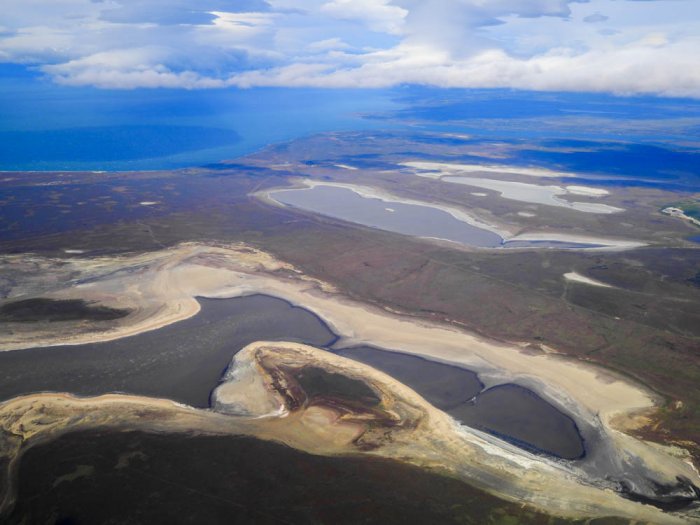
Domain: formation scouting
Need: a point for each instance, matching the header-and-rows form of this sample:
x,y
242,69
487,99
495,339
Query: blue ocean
x,y
646,141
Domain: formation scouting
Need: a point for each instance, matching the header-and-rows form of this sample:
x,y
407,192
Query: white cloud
x,y
598,45
378,15
126,68
36,44
641,67
242,25
328,44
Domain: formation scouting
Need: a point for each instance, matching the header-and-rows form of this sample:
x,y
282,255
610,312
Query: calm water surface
x,y
393,216
185,361
417,220
509,411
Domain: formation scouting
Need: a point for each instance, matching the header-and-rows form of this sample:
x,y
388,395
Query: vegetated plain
x,y
156,477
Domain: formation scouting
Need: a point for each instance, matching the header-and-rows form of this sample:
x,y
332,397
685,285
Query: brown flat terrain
x,y
647,327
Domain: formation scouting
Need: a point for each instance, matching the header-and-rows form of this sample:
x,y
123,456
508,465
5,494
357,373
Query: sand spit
x,y
375,193
587,190
603,243
679,213
394,422
578,278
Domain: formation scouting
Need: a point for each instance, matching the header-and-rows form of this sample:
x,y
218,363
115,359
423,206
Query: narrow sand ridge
x,y
578,278
601,243
606,244
440,169
394,422
679,213
161,288
588,191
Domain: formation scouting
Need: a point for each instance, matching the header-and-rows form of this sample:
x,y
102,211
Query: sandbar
x,y
440,169
578,278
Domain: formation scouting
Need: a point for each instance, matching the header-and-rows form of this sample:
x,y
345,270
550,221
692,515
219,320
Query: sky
x,y
610,46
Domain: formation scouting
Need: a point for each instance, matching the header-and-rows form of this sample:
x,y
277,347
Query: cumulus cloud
x,y
643,47
126,68
641,67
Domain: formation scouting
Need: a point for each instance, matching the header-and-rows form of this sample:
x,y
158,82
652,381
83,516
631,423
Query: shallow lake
x,y
547,195
394,216
418,220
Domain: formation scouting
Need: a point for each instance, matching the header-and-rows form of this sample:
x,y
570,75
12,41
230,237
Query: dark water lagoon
x,y
444,386
523,418
508,411
186,360
183,361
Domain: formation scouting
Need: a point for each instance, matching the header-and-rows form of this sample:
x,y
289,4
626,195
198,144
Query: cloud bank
x,y
619,46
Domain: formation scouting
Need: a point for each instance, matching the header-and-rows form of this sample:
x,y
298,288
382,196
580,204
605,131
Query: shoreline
x,y
385,196
354,323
